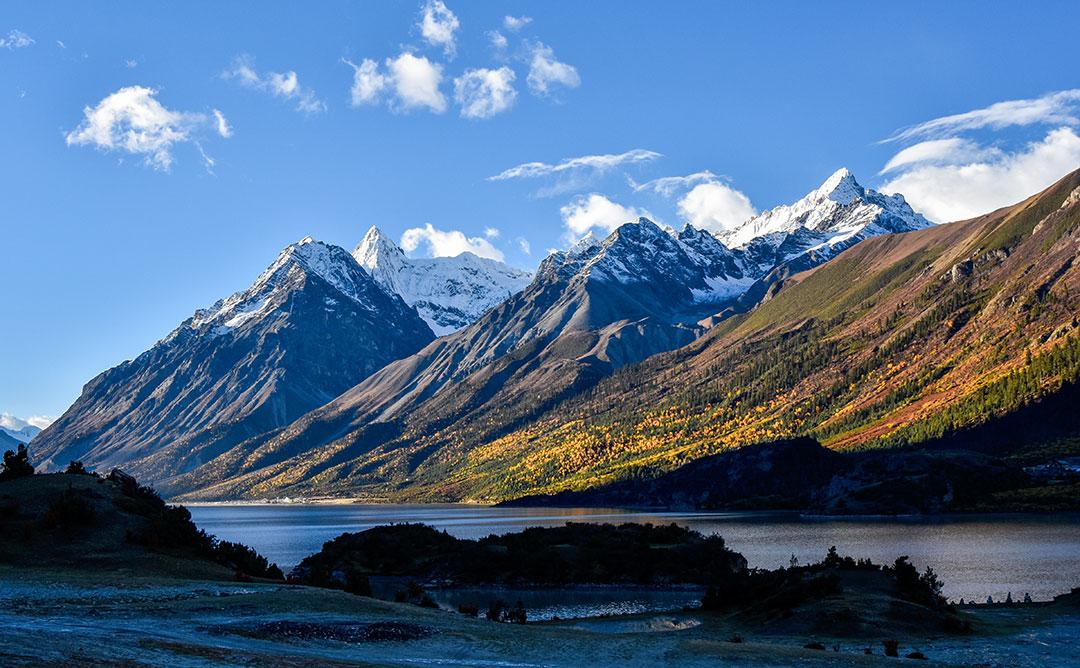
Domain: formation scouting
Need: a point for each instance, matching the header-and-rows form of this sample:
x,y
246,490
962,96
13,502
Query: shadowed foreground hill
x,y
84,522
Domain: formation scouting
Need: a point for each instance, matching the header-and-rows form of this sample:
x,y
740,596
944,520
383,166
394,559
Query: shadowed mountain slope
x,y
312,325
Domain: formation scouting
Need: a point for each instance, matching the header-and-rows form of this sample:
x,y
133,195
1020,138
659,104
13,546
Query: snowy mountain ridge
x,y
837,210
448,292
21,430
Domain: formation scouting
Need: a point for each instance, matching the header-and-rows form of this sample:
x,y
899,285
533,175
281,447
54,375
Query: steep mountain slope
x,y
589,311
900,340
448,292
312,325
8,442
793,238
906,339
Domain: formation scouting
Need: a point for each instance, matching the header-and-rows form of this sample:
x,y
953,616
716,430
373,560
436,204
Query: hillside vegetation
x,y
902,340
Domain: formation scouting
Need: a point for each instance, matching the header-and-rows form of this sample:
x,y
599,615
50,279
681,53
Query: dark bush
x,y
16,464
496,610
427,602
923,589
892,647
69,510
76,467
248,561
169,528
469,609
500,611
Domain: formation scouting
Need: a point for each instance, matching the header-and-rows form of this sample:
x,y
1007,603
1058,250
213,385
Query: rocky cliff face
x,y
312,325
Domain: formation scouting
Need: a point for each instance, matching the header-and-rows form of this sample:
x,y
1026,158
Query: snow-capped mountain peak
x,y
841,187
305,258
22,430
837,211
447,292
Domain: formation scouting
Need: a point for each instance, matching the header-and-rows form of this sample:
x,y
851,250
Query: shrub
x,y
75,467
248,561
500,611
69,510
924,589
892,647
16,464
469,609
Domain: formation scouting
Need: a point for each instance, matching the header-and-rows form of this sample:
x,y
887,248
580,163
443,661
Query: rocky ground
x,y
56,618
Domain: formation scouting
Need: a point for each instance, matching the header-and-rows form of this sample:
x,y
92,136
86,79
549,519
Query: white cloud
x,y
131,63
516,23
9,421
492,232
416,82
482,93
947,192
715,206
285,85
667,185
524,245
599,163
368,82
133,121
595,211
546,73
498,40
16,39
437,26
1058,108
412,81
222,125
447,243
951,150
60,44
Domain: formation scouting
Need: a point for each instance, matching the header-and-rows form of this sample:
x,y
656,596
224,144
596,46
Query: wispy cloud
x,y
407,82
438,25
223,127
285,85
548,74
16,39
967,164
516,23
1058,108
498,42
668,185
483,93
133,121
447,243
941,151
948,192
599,163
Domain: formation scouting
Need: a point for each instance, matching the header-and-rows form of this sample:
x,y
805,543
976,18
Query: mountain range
x,y
16,430
846,316
448,292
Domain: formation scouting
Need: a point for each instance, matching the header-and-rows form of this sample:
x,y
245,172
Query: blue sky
x,y
340,115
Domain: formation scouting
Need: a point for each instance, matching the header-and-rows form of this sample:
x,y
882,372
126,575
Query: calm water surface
x,y
976,556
